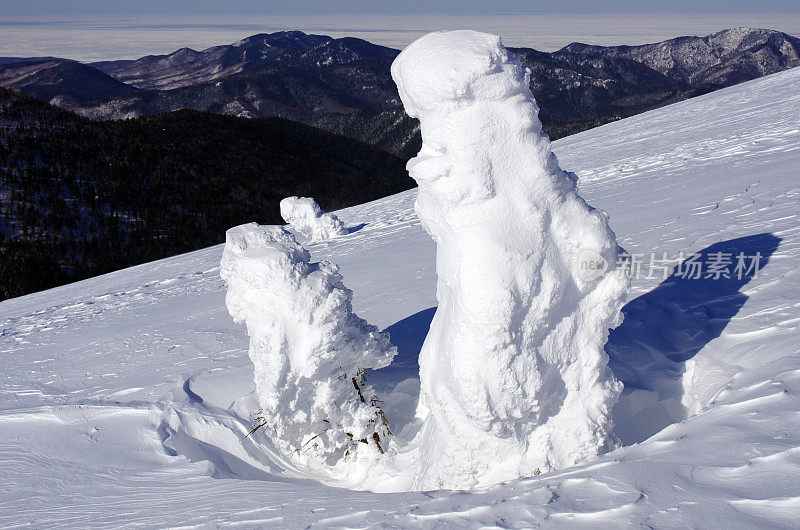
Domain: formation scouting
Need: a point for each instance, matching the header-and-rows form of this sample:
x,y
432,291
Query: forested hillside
x,y
80,198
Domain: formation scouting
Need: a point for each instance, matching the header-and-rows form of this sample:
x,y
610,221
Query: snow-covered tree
x,y
304,215
309,351
514,378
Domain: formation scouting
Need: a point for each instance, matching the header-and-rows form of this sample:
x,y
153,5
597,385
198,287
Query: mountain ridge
x,y
682,58
344,84
229,59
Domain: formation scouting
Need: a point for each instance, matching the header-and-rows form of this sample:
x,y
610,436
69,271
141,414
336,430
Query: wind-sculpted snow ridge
x,y
309,352
514,379
304,215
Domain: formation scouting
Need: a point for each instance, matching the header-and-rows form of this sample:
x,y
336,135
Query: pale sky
x,y
79,7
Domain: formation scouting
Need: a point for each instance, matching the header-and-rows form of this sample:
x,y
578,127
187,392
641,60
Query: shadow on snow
x,y
662,330
669,325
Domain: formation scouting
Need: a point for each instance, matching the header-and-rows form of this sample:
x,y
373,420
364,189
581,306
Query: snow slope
x,y
126,399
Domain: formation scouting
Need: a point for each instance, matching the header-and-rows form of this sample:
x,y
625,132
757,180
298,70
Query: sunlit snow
x,y
127,399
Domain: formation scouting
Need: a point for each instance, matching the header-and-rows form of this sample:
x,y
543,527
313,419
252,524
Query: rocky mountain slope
x,y
725,58
343,85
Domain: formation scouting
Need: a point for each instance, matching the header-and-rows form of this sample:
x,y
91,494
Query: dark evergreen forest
x,y
80,198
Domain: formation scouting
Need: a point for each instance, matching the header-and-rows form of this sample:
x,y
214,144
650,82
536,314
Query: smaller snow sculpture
x,y
304,215
309,351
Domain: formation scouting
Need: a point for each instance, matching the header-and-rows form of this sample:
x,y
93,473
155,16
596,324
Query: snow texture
x,y
126,399
304,215
514,379
309,352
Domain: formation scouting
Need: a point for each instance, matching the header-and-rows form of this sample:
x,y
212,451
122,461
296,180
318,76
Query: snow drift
x,y
514,378
309,352
304,215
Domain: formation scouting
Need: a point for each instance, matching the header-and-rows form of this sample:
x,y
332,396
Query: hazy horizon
x,y
428,7
94,38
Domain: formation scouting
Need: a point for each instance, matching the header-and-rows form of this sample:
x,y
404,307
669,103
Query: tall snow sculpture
x,y
309,352
304,215
514,379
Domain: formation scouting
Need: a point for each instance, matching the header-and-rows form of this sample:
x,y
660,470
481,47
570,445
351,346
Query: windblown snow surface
x,y
127,399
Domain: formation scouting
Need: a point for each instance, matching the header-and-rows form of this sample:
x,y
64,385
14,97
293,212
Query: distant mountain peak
x,y
719,59
70,83
187,67
292,38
